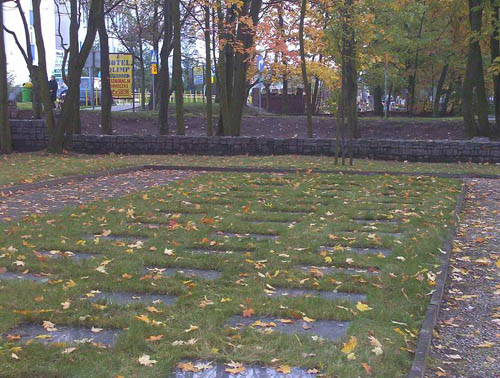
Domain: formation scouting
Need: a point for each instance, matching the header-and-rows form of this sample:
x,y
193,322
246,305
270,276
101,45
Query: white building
x,y
55,30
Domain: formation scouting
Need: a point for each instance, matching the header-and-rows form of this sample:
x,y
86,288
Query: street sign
x,y
121,75
260,63
198,77
154,69
154,57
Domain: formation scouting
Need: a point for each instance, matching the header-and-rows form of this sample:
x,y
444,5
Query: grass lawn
x,y
32,167
310,222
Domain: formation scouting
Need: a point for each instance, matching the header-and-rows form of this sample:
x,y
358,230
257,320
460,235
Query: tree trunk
x,y
208,72
473,87
5,136
177,74
69,112
351,74
37,103
106,95
164,77
495,53
378,108
439,91
307,88
43,81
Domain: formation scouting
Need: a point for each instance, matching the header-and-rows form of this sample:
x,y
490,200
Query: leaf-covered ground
x,y
467,337
23,168
383,233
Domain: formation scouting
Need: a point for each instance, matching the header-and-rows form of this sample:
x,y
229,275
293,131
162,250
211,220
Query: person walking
x,y
53,90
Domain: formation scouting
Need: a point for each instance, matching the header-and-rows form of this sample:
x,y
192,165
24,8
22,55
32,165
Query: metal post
x,y
260,92
153,93
133,86
385,93
92,81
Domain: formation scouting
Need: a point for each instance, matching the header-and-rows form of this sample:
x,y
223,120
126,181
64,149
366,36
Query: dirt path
x,y
467,338
38,201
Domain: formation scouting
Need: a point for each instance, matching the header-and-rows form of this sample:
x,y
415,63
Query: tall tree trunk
x,y
378,108
177,74
495,53
37,102
315,96
284,78
439,90
351,74
43,81
208,72
106,94
69,112
307,88
474,87
5,136
164,77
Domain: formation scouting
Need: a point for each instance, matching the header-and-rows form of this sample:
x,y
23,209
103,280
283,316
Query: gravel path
x,y
466,341
38,201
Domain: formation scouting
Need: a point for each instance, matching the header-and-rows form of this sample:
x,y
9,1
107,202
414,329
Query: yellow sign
x,y
121,75
154,69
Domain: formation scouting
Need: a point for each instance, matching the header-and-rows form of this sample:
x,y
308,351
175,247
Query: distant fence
x,y
31,135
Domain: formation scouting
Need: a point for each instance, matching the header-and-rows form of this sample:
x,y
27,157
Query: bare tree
x,y
5,137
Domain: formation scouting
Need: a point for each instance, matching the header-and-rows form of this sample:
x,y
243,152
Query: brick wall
x,y
31,136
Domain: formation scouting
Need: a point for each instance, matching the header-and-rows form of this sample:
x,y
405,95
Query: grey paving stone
x,y
64,334
217,370
122,298
10,276
209,251
362,251
327,329
120,237
248,235
77,256
375,221
186,272
328,295
335,269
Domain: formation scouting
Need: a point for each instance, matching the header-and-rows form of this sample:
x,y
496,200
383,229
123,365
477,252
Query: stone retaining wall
x,y
30,135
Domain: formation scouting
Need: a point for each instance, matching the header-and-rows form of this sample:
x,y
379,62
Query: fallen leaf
x,y
146,360
363,307
248,312
350,345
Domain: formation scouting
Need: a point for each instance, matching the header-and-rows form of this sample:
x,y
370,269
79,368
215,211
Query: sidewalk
x,y
466,340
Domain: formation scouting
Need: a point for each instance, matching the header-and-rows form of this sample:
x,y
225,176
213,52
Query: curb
x,y
425,335
320,171
64,180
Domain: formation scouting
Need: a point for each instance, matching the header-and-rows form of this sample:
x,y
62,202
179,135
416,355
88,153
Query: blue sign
x,y
260,63
154,57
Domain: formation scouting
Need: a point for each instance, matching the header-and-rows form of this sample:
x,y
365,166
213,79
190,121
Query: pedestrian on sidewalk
x,y
53,90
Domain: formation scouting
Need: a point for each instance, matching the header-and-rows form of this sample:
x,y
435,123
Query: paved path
x,y
467,343
56,198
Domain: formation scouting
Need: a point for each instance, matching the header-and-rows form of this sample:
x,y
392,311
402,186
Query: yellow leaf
x,y
328,260
398,330
191,328
153,310
154,338
363,307
308,320
285,369
143,318
350,345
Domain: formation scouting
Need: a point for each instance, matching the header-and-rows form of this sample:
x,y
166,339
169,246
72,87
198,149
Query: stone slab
x,y
186,272
337,269
208,251
361,251
218,370
327,329
123,299
77,256
64,334
248,235
120,237
328,295
10,276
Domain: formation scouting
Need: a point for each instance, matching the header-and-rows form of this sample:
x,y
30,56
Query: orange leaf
x,y
248,312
